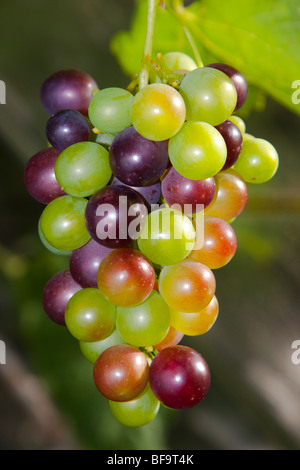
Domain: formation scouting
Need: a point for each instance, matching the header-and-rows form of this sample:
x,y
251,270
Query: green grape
x,y
173,61
198,151
138,412
62,223
144,325
158,112
167,236
110,110
258,161
89,316
239,123
91,351
50,247
83,168
209,95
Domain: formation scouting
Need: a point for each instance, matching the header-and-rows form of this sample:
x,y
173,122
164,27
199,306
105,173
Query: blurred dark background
x,y
47,396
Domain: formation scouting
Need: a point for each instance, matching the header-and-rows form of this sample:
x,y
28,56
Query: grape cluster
x,y
141,279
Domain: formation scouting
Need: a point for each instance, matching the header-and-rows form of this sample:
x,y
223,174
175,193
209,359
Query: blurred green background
x,y
47,396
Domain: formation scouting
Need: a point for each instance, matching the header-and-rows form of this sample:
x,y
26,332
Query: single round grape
x,y
68,89
209,95
151,194
231,196
89,316
220,243
67,127
57,293
62,223
158,112
234,141
198,151
125,277
239,123
50,247
138,412
91,351
238,79
167,237
172,338
146,324
85,262
114,216
188,286
179,377
110,110
39,176
172,61
121,373
258,161
83,168
137,161
176,189
194,324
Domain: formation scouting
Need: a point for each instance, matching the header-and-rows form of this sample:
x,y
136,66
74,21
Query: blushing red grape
x,y
172,338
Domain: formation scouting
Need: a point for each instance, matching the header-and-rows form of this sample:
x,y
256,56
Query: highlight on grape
x,y
2,352
2,92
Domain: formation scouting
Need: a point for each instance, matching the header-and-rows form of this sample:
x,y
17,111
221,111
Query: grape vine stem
x,y
151,15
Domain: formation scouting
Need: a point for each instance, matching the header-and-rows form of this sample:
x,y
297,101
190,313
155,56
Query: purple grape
x,y
57,293
151,194
68,89
39,176
137,161
177,189
234,141
67,127
107,218
238,79
85,262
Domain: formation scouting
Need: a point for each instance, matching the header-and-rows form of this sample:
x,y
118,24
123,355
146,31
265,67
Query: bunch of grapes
x,y
141,187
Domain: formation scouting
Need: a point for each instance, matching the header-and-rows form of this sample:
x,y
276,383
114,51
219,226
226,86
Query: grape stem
x,y
151,15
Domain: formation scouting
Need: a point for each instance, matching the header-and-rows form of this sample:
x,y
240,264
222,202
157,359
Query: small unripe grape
x,y
172,61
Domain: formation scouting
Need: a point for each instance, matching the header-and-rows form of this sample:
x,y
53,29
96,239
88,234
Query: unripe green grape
x,y
258,161
239,123
92,350
50,247
198,151
172,61
110,110
138,412
158,112
167,236
209,95
144,325
89,316
83,168
62,223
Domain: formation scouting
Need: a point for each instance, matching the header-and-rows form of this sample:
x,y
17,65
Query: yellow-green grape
x,y
239,123
209,95
258,161
167,237
198,151
158,112
92,350
172,61
198,323
110,110
138,412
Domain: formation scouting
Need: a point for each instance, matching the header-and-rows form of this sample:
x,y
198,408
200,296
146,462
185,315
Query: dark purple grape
x,y
177,189
238,79
68,89
67,127
151,193
179,377
39,176
57,293
85,262
234,141
137,161
107,218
